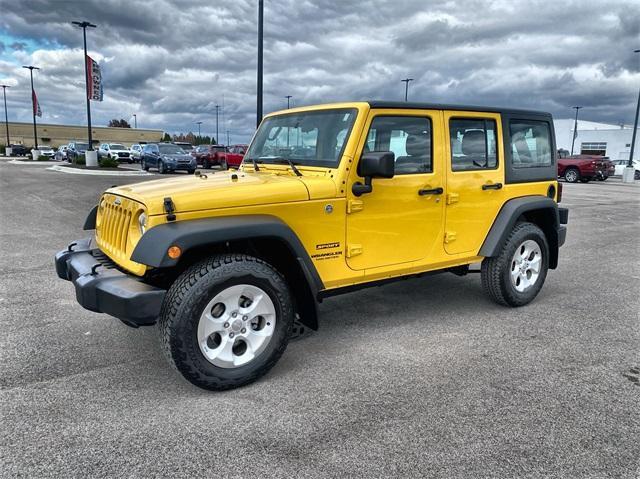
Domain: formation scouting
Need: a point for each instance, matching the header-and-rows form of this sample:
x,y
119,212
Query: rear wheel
x,y
572,175
636,175
226,321
205,164
516,275
161,168
143,165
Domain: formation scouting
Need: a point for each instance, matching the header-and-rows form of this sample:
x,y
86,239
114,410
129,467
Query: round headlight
x,y
142,222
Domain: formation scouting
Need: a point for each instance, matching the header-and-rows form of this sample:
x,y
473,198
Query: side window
x,y
530,143
408,137
473,144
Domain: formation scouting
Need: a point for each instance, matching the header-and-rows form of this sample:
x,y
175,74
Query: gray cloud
x,y
171,62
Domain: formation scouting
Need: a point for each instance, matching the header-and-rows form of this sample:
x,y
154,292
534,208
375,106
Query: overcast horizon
x,y
172,62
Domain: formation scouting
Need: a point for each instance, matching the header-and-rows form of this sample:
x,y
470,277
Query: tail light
x,y
559,193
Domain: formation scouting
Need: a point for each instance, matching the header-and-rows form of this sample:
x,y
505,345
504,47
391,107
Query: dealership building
x,y
594,138
56,135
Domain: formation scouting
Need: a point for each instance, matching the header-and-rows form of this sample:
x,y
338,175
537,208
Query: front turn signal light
x,y
174,252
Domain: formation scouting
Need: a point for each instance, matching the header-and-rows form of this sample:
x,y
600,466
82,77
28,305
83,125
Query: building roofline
x,y
84,126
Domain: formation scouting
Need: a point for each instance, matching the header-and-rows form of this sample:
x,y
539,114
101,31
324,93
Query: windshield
x,y
185,146
313,138
115,146
82,146
170,150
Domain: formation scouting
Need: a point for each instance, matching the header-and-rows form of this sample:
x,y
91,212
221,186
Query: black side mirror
x,y
376,164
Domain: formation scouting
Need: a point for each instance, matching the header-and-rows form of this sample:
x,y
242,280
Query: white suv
x,y
116,151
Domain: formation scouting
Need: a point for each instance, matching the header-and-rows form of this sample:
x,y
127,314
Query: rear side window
x,y
473,144
530,143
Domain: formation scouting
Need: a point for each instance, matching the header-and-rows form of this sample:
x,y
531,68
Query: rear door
x,y
475,178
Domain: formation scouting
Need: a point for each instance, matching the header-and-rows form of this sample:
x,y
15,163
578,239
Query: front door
x,y
475,178
401,220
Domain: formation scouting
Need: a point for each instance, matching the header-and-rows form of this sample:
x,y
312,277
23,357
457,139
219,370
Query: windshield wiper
x,y
255,164
280,159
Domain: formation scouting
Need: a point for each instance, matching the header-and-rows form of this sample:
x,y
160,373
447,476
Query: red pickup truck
x,y
210,155
584,168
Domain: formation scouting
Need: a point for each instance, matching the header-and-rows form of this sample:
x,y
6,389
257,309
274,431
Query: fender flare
x,y
152,248
546,210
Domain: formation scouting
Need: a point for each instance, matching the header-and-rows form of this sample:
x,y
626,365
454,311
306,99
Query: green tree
x,y
121,123
166,137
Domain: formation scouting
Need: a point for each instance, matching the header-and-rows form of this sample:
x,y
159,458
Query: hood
x,y
224,190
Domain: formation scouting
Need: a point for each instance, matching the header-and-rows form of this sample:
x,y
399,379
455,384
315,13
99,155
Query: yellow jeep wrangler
x,y
328,199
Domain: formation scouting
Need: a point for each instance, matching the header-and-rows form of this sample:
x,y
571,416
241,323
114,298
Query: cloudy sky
x,y
171,62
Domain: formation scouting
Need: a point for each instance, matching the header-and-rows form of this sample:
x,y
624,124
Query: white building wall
x,y
618,139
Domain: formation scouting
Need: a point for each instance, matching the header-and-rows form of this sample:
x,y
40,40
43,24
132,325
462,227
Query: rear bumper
x,y
101,288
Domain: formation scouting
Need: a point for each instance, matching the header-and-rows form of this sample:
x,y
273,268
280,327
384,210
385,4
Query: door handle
x,y
492,186
432,191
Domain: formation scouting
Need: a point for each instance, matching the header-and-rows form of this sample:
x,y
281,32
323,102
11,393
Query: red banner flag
x,y
36,106
94,92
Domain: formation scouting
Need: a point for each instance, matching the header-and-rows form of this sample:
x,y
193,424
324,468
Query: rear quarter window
x,y
530,143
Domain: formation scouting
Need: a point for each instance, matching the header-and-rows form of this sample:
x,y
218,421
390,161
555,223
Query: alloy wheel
x,y
236,326
525,266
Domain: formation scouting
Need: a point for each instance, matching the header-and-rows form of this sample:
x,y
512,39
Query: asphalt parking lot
x,y
424,377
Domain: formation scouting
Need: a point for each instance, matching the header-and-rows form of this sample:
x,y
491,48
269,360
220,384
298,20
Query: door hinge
x,y
452,198
449,236
355,205
354,250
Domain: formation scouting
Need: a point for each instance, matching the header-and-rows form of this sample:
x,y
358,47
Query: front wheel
x,y
516,275
206,165
143,165
226,321
161,168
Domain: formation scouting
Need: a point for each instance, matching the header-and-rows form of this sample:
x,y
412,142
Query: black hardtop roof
x,y
444,106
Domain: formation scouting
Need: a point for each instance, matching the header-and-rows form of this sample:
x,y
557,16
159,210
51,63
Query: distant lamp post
x,y
288,97
228,140
575,128
33,105
629,173
6,116
217,109
406,87
87,80
135,121
198,123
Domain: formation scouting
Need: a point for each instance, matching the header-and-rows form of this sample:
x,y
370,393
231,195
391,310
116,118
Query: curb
x,y
31,162
75,171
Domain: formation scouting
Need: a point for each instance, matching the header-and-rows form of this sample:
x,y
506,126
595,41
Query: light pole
x,y
628,176
406,87
6,116
33,105
288,97
84,26
575,128
260,35
135,121
217,108
198,123
228,140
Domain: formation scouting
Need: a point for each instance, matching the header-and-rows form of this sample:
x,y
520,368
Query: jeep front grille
x,y
114,233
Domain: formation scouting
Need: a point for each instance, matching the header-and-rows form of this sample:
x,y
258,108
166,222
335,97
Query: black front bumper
x,y
102,288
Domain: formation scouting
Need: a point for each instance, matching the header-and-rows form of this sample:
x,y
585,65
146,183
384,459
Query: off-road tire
x,y
569,175
190,294
495,271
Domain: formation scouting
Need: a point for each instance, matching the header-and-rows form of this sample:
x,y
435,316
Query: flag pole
x,y
84,26
33,106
